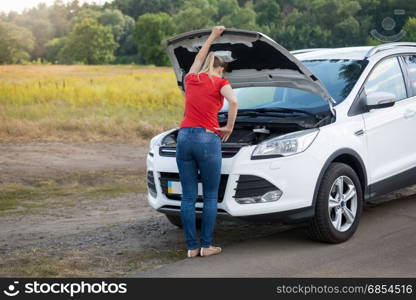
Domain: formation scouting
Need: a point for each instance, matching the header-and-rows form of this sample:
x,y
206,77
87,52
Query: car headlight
x,y
155,142
158,140
285,145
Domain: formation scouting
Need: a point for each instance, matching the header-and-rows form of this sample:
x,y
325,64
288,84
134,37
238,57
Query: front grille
x,y
252,186
167,176
229,151
226,150
151,183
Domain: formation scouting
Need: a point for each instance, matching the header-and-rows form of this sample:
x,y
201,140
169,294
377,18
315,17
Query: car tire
x,y
176,220
337,213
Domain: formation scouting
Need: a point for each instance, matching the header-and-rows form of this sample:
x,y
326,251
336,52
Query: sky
x,y
20,5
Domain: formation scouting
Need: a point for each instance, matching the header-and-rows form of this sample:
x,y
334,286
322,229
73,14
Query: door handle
x,y
409,113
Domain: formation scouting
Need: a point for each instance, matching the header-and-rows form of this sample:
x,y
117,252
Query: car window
x,y
387,77
411,70
338,76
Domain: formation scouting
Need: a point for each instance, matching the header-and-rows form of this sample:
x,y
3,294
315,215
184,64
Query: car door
x,y
390,150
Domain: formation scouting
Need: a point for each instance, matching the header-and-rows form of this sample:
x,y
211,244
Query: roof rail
x,y
388,46
300,51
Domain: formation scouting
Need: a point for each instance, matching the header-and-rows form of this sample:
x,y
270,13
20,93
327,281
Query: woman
x,y
199,143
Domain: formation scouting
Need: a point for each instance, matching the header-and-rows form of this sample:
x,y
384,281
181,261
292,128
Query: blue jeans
x,y
198,150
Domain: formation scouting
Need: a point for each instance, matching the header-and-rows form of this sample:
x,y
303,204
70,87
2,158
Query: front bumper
x,y
296,176
289,217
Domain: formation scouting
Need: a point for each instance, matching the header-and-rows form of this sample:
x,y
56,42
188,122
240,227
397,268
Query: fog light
x,y
267,197
272,196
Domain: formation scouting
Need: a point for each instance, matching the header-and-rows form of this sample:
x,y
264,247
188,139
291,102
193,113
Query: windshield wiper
x,y
272,111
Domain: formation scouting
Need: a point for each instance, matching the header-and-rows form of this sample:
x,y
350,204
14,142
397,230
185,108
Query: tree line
x,y
135,31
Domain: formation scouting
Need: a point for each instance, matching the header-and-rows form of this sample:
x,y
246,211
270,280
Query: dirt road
x,y
73,200
35,161
31,164
383,246
80,210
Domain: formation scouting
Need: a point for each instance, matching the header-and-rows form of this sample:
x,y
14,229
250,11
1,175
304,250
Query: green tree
x,y
85,13
53,50
293,33
225,7
268,11
196,14
330,23
60,15
42,31
378,10
90,42
346,30
15,43
37,21
122,27
241,17
151,32
136,8
410,29
293,23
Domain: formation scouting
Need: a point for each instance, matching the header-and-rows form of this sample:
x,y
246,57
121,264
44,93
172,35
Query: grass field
x,y
87,193
87,103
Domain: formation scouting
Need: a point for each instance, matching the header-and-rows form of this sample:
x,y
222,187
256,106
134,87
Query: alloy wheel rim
x,y
342,203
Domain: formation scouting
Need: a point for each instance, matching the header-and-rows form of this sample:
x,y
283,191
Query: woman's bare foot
x,y
211,250
193,253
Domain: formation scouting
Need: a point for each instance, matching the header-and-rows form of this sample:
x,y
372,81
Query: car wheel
x,y
338,205
176,220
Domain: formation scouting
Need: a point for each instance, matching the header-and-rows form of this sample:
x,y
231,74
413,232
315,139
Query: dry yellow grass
x,y
87,103
90,262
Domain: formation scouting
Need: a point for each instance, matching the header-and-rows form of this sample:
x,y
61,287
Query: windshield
x,y
338,76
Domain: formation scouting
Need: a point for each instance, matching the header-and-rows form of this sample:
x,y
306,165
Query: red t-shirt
x,y
203,100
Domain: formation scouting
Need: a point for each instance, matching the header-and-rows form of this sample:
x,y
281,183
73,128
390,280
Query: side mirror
x,y
380,100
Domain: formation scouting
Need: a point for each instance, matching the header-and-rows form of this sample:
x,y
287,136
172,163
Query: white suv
x,y
318,132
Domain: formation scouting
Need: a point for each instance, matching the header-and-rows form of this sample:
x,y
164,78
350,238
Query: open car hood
x,y
253,59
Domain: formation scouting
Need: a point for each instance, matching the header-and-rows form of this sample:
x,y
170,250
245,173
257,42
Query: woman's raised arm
x,y
202,54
